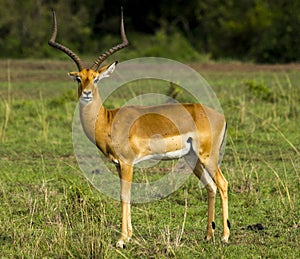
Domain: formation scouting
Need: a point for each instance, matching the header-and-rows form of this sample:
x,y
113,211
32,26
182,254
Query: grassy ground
x,y
48,209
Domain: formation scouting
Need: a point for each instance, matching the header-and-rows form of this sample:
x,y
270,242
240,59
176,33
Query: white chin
x,y
85,100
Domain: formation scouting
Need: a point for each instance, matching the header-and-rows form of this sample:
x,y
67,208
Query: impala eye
x,y
78,79
96,80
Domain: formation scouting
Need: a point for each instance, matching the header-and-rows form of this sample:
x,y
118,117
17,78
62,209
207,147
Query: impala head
x,y
88,78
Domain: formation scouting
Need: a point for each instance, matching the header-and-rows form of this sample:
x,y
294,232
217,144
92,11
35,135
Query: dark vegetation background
x,y
262,31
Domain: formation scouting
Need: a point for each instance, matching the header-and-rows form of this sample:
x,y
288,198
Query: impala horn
x,y
112,50
61,47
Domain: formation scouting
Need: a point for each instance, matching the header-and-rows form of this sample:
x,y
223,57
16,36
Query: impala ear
x,y
106,71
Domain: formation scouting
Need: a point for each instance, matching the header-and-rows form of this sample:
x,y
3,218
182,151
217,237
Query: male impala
x,y
138,133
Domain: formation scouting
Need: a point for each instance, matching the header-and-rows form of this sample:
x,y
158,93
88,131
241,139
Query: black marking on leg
x,y
213,225
228,224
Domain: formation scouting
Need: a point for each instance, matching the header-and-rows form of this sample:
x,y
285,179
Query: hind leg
x,y
211,188
222,185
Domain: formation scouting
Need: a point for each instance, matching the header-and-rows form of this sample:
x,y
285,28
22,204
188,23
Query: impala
x,y
133,134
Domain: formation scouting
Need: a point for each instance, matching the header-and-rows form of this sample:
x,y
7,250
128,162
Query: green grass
x,y
48,209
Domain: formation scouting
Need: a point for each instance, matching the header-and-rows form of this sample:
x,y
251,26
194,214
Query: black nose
x,y
87,93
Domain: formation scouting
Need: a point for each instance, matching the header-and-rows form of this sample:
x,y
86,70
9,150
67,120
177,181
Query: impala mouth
x,y
86,99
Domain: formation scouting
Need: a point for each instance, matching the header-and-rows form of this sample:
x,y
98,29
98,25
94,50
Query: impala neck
x,y
90,113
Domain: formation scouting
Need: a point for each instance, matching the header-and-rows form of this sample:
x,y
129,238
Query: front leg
x,y
125,173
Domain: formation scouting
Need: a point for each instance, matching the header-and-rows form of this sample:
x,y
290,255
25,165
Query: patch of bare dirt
x,y
34,70
56,70
245,67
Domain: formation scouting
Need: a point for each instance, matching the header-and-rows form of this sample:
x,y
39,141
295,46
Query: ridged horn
x,y
59,46
112,50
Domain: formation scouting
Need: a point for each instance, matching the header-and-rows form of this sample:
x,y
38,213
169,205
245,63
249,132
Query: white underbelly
x,y
186,144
